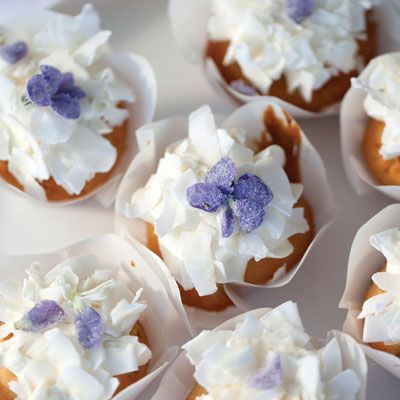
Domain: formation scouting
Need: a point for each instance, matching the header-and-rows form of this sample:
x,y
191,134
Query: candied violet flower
x,y
42,315
268,377
89,327
55,89
12,53
299,10
244,199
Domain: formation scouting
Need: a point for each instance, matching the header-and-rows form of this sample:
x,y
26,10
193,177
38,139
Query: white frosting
x,y
52,363
190,239
268,45
224,361
381,81
382,312
36,141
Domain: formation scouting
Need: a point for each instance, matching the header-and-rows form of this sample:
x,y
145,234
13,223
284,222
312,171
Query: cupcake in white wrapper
x,y
372,294
270,200
370,126
92,321
300,52
69,105
266,354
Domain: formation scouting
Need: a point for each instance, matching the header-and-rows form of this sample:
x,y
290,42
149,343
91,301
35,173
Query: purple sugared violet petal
x,y
66,106
269,377
299,10
38,92
89,327
227,222
53,77
67,87
41,316
222,174
205,196
12,53
250,186
250,214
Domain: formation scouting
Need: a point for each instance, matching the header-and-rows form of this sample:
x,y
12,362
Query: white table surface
x,y
142,26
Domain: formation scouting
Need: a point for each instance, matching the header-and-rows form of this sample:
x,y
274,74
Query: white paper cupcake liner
x,y
178,381
364,261
162,322
10,8
153,140
192,38
138,74
353,122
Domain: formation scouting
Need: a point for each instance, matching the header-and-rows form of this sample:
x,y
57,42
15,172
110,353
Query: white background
x,y
142,26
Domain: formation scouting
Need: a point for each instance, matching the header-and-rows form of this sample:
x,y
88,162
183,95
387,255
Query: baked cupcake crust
x,y
288,137
217,301
131,377
331,93
260,272
6,377
386,172
197,391
54,192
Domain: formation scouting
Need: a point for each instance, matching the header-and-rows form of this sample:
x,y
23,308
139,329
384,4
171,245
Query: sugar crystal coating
x,y
12,53
42,315
299,10
89,327
250,214
205,196
62,104
227,222
269,377
222,174
38,91
250,186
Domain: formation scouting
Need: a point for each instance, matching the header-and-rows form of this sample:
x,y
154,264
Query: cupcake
x,y
369,124
84,327
266,354
224,205
64,105
380,143
372,293
382,298
302,52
